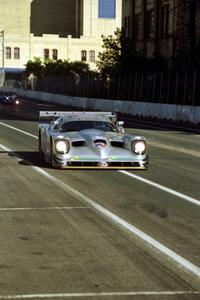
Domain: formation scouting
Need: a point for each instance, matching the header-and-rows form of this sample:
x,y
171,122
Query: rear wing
x,y
49,116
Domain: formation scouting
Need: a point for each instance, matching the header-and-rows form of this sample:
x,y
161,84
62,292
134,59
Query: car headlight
x,y
139,147
62,146
17,102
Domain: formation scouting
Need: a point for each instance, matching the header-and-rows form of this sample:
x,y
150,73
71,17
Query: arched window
x,y
16,53
8,52
92,56
54,54
83,55
46,54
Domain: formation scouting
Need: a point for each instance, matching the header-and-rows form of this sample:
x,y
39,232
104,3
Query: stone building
x,y
56,29
170,28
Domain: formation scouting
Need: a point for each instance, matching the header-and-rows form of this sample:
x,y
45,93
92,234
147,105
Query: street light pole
x,y
2,36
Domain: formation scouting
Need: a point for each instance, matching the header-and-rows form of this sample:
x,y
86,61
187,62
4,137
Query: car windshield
x,y
81,125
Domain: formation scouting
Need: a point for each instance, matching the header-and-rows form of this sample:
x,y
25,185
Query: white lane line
x,y
19,130
170,254
162,187
103,294
159,186
44,208
154,184
177,149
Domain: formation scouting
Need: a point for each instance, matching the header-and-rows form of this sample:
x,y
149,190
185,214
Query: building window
x,y
149,24
16,53
55,54
107,9
46,54
138,27
127,26
92,56
164,21
8,53
84,55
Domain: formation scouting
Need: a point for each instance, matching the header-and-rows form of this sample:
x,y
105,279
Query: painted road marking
x,y
154,184
19,130
170,254
103,294
177,149
44,208
162,187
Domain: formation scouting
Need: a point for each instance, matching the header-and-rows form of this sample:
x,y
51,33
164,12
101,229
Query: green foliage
x,y
120,55
34,66
109,59
55,68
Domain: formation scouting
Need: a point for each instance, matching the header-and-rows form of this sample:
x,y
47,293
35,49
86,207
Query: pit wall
x,y
154,110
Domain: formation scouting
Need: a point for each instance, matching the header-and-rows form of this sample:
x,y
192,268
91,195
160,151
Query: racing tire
x,y
40,146
51,160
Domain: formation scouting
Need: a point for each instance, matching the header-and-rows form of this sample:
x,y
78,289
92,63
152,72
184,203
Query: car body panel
x,y
105,145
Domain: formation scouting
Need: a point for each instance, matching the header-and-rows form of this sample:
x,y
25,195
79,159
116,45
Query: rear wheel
x,y
40,146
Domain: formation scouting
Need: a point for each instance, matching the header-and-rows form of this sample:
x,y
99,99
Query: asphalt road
x,y
98,234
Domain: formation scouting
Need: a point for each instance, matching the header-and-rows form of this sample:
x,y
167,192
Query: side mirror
x,y
54,122
120,129
120,123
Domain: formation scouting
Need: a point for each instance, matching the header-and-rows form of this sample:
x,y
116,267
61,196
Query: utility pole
x,y
2,36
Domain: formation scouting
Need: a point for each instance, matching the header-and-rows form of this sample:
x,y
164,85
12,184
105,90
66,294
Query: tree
x,y
55,68
120,55
109,59
34,66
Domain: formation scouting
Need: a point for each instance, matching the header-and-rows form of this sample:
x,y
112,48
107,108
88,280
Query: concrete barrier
x,y
161,111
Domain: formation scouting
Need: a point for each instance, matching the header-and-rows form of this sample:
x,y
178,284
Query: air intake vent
x,y
119,144
78,143
100,141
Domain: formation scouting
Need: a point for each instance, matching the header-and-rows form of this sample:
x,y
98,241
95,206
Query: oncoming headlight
x,y
62,146
139,147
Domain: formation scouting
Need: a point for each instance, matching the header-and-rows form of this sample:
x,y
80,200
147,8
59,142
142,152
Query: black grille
x,y
100,141
117,144
110,164
78,143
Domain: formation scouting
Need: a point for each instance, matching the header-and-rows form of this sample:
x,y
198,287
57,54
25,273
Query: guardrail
x,y
173,112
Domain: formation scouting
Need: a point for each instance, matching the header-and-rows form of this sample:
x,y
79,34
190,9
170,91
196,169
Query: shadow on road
x,y
28,158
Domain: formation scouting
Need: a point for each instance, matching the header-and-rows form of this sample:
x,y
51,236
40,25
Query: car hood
x,y
91,135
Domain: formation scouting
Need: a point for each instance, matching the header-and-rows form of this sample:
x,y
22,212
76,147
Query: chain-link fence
x,y
169,88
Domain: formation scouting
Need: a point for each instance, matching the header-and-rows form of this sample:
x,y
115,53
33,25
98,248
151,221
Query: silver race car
x,y
89,140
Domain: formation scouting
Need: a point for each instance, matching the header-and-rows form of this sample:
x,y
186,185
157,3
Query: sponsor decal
x,y
74,158
103,164
100,145
112,158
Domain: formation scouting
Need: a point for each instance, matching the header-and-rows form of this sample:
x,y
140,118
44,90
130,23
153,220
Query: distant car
x,y
9,98
89,140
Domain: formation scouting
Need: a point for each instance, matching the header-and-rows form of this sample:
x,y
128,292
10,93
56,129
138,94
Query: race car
x,y
9,98
74,139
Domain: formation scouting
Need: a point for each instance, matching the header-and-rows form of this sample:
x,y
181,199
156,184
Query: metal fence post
x,y
194,88
161,84
168,87
154,85
129,88
141,86
119,86
176,88
184,91
135,86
